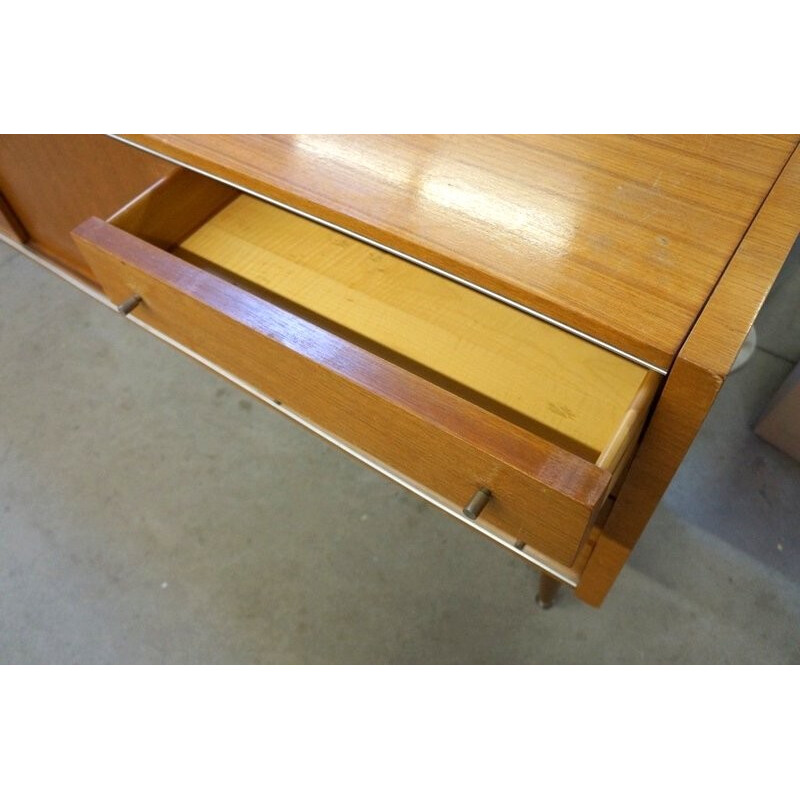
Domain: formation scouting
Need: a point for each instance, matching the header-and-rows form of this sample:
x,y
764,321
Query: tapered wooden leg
x,y
548,588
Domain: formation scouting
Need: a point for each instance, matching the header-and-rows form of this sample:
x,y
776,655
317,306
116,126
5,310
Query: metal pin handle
x,y
128,305
478,502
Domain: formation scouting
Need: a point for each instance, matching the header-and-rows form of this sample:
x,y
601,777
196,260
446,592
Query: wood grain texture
x,y
55,182
172,208
702,365
9,224
551,382
629,427
622,237
543,495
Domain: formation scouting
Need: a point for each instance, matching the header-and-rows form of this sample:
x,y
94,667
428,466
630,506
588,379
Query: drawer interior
x,y
543,379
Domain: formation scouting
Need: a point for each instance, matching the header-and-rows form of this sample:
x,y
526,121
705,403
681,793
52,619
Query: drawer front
x,y
541,494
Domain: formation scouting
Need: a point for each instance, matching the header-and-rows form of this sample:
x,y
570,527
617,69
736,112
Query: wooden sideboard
x,y
526,330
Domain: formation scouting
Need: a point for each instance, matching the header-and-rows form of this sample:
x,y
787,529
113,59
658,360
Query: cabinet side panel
x,y
703,363
55,182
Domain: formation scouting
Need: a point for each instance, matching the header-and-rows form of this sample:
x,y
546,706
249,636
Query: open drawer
x,y
453,389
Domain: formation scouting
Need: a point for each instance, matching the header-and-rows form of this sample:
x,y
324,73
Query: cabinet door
x,y
54,182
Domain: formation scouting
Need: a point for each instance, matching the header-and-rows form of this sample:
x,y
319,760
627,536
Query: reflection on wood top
x,y
622,237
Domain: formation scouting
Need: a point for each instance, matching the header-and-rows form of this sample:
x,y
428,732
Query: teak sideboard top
x,y
623,238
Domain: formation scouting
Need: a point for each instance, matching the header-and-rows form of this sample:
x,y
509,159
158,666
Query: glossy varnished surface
x,y
622,237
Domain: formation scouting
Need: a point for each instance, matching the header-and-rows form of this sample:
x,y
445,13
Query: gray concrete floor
x,y
151,512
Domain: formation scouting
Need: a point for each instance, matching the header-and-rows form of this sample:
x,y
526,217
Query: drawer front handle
x,y
128,305
478,502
